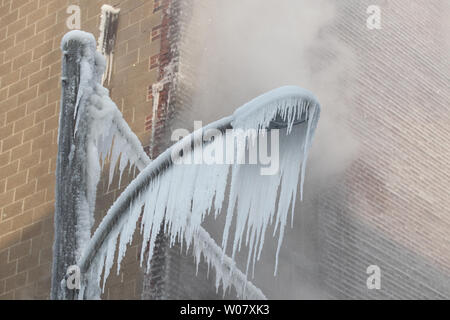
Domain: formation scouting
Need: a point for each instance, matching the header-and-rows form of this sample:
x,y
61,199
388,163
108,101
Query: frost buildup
x,y
98,117
180,196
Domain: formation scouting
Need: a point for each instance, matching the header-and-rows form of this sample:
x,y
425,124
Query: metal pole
x,y
69,173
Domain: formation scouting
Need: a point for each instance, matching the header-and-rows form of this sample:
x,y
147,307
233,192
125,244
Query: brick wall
x,y
30,35
29,120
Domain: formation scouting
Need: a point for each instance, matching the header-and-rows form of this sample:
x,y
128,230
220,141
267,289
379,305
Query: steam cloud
x,y
235,50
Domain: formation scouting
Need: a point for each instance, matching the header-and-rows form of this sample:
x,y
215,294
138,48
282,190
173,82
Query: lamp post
x,y
68,179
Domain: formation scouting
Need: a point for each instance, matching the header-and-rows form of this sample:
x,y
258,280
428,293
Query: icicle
x,y
109,254
182,195
129,226
106,39
206,246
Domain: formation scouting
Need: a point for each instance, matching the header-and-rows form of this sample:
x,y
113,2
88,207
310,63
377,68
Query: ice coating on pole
x,y
107,134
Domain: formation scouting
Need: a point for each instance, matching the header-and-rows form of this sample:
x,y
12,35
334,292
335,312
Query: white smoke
x,y
235,50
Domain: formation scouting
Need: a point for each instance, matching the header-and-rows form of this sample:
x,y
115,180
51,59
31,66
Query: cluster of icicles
x,y
181,196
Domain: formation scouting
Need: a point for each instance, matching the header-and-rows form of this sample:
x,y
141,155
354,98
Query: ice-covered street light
x,y
178,197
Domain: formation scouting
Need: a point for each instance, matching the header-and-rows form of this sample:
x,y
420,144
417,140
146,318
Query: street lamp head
x,y
280,108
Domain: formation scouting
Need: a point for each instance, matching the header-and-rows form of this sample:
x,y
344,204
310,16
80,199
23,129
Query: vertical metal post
x,y
69,173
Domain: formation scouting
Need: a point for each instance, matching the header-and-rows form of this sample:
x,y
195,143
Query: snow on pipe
x,y
110,136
